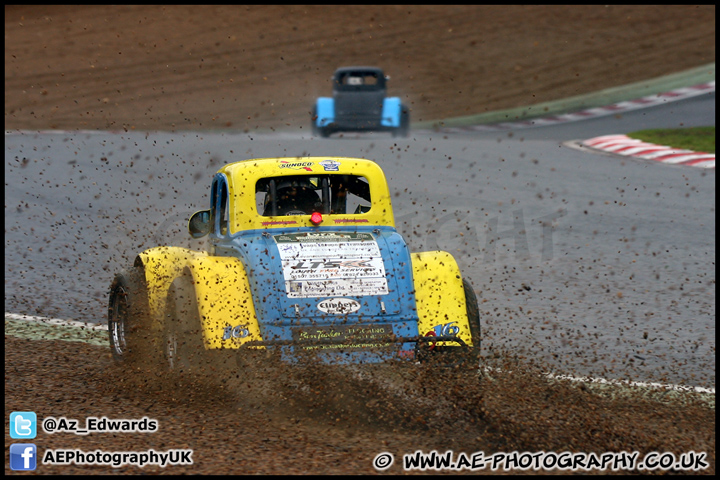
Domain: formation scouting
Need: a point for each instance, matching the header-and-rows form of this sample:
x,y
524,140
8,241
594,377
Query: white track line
x,y
55,321
627,383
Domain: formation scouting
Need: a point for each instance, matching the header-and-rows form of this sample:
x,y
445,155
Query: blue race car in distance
x,y
359,104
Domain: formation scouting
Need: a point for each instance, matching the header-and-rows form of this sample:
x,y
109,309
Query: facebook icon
x,y
23,456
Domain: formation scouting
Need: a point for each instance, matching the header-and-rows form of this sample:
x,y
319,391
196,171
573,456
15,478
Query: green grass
x,y
697,139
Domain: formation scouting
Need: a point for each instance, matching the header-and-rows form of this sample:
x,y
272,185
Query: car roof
x,y
284,166
242,178
359,69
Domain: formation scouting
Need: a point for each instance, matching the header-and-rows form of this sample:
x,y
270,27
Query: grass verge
x,y
697,139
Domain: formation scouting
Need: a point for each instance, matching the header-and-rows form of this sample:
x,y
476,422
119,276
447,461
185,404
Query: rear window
x,y
303,194
359,81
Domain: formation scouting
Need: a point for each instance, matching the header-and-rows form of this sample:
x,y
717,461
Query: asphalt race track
x,y
589,263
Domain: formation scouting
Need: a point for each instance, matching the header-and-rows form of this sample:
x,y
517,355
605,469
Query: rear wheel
x,y
473,312
131,336
183,337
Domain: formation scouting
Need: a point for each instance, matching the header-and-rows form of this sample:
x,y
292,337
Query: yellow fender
x,y
225,302
439,294
162,265
221,288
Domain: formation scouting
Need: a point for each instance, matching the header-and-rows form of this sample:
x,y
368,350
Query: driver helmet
x,y
296,196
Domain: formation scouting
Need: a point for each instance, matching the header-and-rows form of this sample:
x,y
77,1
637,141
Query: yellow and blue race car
x,y
303,258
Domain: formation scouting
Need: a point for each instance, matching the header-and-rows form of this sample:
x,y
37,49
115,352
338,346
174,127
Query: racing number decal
x,y
238,331
442,330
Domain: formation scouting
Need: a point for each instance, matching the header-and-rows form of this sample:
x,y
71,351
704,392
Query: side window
x,y
220,213
223,209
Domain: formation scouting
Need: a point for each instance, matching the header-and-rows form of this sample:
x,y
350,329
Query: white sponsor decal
x,y
339,306
330,165
331,264
318,249
329,268
336,288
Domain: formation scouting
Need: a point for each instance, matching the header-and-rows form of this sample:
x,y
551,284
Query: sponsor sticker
x,y
339,306
331,264
330,165
296,165
343,336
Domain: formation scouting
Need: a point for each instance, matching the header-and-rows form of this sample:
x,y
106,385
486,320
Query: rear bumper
x,y
331,119
350,344
359,123
408,349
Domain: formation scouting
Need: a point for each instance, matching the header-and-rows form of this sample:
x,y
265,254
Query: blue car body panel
x,y
390,118
325,111
391,112
386,307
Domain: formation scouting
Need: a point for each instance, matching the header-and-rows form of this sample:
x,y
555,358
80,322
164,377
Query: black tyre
x,y
183,337
129,323
473,314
